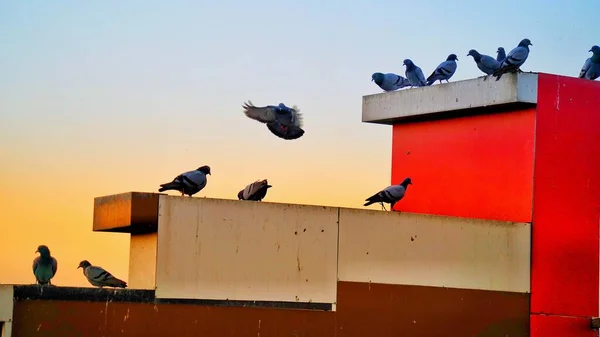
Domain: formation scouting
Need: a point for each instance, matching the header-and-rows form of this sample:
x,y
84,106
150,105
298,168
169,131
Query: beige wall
x,y
142,261
242,250
6,310
415,249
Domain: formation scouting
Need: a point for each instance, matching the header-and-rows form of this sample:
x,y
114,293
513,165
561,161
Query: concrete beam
x,y
473,96
131,212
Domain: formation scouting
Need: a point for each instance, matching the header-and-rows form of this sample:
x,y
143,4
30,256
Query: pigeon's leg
x,y
447,81
485,77
182,193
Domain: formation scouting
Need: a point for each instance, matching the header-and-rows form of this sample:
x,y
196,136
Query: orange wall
x,y
478,167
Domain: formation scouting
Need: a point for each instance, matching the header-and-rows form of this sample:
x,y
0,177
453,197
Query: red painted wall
x,y
565,250
477,167
560,326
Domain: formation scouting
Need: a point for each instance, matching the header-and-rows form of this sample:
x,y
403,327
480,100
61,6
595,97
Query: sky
x,y
105,97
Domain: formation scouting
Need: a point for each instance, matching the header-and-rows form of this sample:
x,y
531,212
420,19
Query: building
x,y
498,236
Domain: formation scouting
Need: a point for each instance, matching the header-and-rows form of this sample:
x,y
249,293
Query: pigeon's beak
x,y
372,79
589,50
269,186
37,251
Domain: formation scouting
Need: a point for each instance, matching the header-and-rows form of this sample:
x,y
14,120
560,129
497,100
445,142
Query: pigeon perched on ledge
x,y
255,191
390,81
284,122
485,63
99,277
189,183
591,67
501,54
390,195
514,60
444,70
414,74
44,266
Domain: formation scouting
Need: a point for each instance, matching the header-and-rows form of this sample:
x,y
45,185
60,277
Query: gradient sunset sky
x,y
105,97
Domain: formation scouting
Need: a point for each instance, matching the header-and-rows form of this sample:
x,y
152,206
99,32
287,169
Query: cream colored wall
x,y
142,261
242,250
6,309
414,249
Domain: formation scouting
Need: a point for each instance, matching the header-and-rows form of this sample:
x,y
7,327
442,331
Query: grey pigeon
x,y
444,70
44,266
485,63
99,277
391,194
514,60
591,67
501,54
255,191
390,81
282,121
189,183
414,74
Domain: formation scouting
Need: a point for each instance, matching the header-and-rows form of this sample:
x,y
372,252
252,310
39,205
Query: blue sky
x,y
121,96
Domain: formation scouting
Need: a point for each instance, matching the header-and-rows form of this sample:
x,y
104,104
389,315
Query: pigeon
x,y
44,266
390,81
282,121
591,67
255,191
414,74
514,60
188,183
485,63
391,194
501,54
99,277
444,70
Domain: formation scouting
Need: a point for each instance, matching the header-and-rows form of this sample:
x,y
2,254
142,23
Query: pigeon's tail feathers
x,y
169,186
115,282
369,202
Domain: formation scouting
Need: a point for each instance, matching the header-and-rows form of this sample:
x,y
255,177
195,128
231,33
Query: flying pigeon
x,y
485,63
188,183
591,67
391,194
390,81
255,191
99,277
414,74
444,70
501,54
282,121
514,60
44,266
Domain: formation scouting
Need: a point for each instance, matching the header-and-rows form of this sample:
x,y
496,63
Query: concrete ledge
x,y
131,212
468,97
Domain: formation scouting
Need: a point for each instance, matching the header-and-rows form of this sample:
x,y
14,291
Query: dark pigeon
x,y
514,60
444,70
390,195
284,122
255,191
188,183
44,266
591,67
99,277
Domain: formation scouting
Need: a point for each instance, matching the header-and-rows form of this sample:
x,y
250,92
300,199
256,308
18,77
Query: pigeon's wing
x,y
394,192
586,66
393,81
489,62
98,274
252,188
516,57
194,179
285,132
297,118
54,266
263,114
36,262
444,70
420,75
